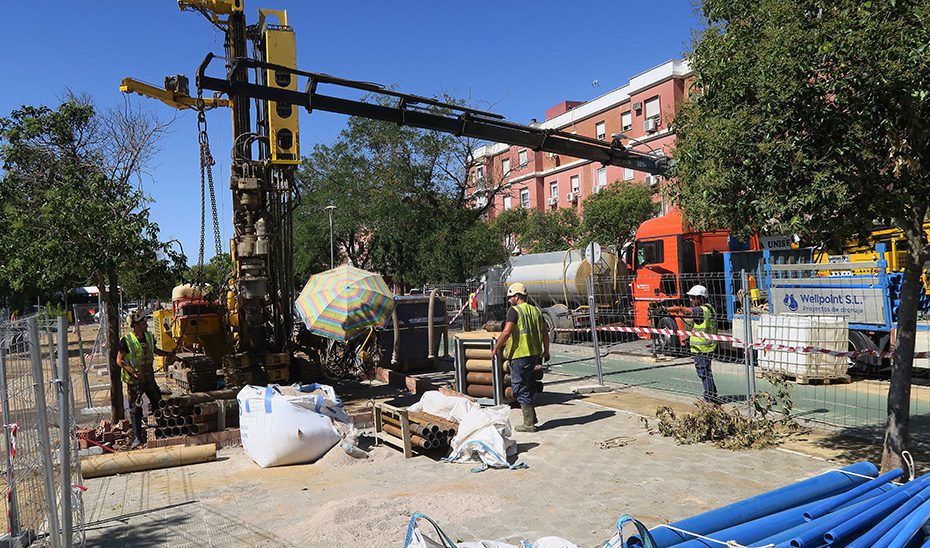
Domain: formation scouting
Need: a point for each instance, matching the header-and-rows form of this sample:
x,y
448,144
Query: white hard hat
x,y
698,291
516,289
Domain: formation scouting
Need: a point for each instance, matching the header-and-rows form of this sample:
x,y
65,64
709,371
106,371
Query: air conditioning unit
x,y
571,197
552,155
652,180
651,124
552,201
638,105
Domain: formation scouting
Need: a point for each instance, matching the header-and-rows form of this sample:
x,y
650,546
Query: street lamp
x,y
332,253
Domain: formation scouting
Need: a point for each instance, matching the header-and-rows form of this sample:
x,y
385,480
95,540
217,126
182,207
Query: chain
x,y
206,184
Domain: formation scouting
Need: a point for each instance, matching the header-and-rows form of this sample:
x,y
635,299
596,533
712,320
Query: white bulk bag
x,y
278,430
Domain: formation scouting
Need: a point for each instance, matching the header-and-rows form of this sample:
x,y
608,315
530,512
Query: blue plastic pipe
x,y
833,503
906,521
874,535
842,531
790,496
752,531
816,528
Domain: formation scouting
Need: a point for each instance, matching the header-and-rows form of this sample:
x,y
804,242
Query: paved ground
x,y
572,489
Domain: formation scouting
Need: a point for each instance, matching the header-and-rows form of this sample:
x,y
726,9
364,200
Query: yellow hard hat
x,y
516,289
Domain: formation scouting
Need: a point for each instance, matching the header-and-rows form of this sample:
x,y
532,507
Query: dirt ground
x,y
571,488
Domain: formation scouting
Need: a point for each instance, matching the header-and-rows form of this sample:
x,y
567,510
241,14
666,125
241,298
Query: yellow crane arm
x,y
173,99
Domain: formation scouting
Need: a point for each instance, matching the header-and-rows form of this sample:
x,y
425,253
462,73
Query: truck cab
x,y
668,257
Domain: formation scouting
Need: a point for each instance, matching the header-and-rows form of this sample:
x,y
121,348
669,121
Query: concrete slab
x,y
572,488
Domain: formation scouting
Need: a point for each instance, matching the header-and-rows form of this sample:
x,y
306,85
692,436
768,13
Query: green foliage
x,y
537,231
216,272
730,427
401,206
64,216
811,117
612,216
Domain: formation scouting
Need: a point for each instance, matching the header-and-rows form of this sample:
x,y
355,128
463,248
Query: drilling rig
x,y
259,311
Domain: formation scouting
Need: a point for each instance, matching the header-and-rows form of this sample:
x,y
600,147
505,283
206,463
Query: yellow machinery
x,y
257,316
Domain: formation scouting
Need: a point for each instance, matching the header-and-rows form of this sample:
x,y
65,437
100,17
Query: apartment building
x,y
641,111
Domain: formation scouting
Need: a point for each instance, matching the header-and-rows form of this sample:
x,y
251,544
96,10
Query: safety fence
x,y
828,332
43,503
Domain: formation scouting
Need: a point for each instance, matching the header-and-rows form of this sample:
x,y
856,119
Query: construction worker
x,y
701,317
527,341
136,358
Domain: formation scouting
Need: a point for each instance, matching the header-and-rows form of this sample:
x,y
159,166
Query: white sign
x,y
857,305
592,253
775,242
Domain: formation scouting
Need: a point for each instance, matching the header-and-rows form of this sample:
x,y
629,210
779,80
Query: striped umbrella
x,y
342,302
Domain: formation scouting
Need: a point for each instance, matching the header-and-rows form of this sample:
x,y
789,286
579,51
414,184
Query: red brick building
x,y
641,110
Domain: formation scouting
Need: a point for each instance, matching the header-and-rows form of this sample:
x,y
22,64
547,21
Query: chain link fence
x,y
42,468
827,328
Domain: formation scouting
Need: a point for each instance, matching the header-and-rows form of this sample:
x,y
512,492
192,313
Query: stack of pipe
x,y
479,375
196,413
852,507
426,431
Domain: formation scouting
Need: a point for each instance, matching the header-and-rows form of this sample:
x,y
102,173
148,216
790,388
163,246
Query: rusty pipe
x,y
426,431
414,439
395,354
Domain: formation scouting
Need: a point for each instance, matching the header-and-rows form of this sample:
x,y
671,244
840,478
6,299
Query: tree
x,y
69,208
537,231
216,273
403,205
612,216
811,118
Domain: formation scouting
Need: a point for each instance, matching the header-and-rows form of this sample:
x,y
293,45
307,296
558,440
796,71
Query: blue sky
x,y
517,58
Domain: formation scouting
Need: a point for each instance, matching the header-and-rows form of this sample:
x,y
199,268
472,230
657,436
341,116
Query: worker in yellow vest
x,y
701,316
136,359
527,345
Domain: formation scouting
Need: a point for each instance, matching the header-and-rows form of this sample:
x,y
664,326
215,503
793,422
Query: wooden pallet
x,y
808,379
403,443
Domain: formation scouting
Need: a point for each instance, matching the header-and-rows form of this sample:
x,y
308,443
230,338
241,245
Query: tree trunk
x,y
113,328
899,391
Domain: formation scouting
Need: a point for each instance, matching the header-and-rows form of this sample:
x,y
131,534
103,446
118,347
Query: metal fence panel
x,y
800,321
40,452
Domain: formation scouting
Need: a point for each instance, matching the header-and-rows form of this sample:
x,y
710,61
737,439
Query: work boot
x,y
529,419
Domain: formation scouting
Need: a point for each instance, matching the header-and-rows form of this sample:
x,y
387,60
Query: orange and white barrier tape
x,y
764,345
467,302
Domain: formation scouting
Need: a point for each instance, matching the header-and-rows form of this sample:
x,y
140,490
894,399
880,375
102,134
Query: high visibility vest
x,y
140,360
708,324
526,338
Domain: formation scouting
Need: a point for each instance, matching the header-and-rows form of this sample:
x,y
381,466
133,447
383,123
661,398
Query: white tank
x,y
561,277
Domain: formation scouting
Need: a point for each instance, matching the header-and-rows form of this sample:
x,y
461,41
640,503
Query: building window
x,y
481,200
522,156
627,174
554,189
626,121
525,198
601,130
505,166
479,173
601,177
652,108
508,202
576,184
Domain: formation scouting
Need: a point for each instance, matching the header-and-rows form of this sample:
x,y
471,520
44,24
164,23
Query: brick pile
x,y
106,433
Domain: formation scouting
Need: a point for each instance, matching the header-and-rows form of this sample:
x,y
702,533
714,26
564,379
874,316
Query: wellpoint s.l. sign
x,y
857,305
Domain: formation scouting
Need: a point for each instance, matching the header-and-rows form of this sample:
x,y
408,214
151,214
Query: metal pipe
x,y
747,338
414,439
65,431
479,354
88,398
430,324
395,353
479,378
417,429
45,446
8,443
